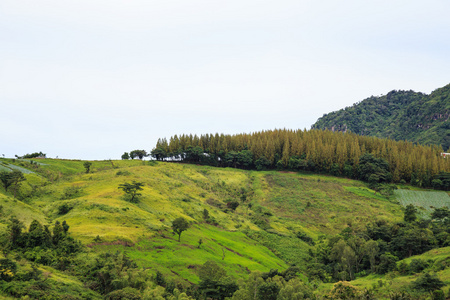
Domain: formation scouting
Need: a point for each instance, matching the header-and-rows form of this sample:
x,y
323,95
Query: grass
x,y
321,204
23,211
234,251
261,236
425,201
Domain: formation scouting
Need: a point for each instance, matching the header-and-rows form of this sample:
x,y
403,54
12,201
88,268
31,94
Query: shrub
x,y
428,282
304,237
72,192
233,205
387,263
8,269
417,265
123,173
64,209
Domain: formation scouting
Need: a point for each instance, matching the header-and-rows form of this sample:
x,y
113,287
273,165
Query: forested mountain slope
x,y
399,115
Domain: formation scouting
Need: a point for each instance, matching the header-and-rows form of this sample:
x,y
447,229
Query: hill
x,y
248,223
399,115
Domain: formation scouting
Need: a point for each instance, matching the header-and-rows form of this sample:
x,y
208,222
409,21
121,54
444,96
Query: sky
x,y
92,79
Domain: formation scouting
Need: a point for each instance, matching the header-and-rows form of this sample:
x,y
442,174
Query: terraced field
x,y
425,201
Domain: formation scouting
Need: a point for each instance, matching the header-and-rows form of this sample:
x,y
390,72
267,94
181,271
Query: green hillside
x,y
247,222
399,115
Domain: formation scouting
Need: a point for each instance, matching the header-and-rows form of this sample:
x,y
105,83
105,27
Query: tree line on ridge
x,y
341,154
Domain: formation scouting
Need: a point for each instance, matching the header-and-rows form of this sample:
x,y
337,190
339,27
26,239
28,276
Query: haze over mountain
x,y
400,115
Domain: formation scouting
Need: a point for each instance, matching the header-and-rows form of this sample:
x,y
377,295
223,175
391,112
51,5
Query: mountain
x,y
399,115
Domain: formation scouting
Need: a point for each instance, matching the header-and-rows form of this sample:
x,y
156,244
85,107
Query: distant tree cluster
x,y
135,154
43,245
342,154
379,246
33,155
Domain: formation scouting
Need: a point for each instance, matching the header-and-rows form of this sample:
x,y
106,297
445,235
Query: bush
x,y
304,237
428,282
438,295
123,173
417,265
233,205
72,192
261,221
8,269
64,209
387,263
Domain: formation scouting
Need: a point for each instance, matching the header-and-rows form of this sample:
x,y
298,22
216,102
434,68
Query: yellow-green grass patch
x,y
234,251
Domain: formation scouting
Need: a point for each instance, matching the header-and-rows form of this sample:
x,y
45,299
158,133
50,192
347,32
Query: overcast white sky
x,y
91,79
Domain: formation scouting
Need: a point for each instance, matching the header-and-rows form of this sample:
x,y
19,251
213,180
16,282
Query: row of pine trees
x,y
315,150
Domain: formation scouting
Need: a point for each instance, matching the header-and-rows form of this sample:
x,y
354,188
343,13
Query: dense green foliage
x,y
399,115
367,158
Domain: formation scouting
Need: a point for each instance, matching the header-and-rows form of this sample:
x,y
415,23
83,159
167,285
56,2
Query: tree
x,y
87,165
194,154
58,233
15,232
412,240
35,155
373,170
131,189
125,156
212,271
16,180
37,236
268,291
5,178
388,262
262,163
428,282
440,213
213,282
205,215
371,249
158,153
138,153
245,159
179,225
410,213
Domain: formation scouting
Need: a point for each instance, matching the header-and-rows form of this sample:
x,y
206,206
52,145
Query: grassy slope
x,y
290,202
323,204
